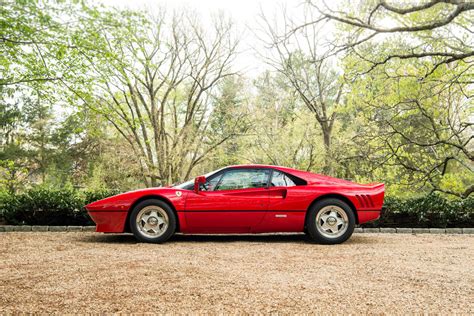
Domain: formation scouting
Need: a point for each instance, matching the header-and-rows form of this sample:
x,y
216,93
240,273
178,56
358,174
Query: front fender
x,y
110,214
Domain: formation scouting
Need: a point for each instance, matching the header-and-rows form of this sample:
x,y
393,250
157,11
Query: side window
x,y
279,179
210,184
243,179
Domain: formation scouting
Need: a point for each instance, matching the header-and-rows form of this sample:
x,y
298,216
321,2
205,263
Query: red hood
x,y
109,202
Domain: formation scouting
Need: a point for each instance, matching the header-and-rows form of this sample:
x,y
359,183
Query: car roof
x,y
309,177
298,173
257,166
281,168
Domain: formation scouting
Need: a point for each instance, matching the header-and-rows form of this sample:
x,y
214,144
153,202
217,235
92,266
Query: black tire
x,y
164,236
313,231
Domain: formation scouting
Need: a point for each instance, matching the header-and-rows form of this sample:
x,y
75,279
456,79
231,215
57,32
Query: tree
x,y
412,81
231,106
284,132
302,60
156,86
39,147
446,24
421,127
37,42
15,158
41,55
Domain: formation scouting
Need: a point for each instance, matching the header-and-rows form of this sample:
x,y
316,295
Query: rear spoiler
x,y
373,185
377,185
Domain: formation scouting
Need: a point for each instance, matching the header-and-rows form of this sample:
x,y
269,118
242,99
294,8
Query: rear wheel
x,y
330,221
152,221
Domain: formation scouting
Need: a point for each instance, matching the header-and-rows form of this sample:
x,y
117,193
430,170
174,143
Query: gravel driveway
x,y
376,273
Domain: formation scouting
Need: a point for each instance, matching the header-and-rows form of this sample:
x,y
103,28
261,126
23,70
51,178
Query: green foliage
x,y
12,175
37,46
46,206
412,133
427,211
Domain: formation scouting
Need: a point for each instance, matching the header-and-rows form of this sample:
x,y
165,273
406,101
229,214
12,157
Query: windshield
x,y
190,183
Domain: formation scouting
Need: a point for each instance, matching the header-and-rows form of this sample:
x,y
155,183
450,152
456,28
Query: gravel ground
x,y
371,273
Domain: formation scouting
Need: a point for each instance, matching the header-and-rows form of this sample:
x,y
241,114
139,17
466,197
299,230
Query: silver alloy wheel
x,y
152,221
332,221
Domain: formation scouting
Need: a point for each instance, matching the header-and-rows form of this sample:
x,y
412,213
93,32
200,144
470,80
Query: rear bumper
x,y
109,221
368,216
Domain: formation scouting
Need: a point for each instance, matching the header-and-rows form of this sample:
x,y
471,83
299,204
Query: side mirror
x,y
197,182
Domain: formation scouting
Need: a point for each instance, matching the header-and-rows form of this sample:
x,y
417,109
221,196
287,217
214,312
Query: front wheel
x,y
330,221
152,221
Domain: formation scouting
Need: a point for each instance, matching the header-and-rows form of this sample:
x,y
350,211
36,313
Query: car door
x,y
284,213
233,201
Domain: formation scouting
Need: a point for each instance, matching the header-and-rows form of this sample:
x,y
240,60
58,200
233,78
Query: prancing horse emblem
x,y
178,193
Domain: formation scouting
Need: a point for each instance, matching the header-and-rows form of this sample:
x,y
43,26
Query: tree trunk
x,y
327,131
154,180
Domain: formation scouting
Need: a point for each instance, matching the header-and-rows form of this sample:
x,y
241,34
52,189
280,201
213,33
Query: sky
x,y
245,14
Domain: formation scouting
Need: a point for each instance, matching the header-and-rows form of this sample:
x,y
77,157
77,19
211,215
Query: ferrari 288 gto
x,y
243,199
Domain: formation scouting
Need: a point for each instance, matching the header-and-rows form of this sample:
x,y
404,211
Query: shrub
x,y
428,211
44,206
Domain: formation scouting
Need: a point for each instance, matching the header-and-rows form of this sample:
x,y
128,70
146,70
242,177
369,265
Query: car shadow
x,y
254,238
110,239
270,238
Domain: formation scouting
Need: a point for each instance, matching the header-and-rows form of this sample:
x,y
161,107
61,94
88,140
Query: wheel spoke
x,y
146,227
144,218
339,221
326,227
324,217
160,220
332,221
152,221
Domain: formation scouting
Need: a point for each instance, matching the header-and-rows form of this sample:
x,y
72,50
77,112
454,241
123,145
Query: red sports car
x,y
243,199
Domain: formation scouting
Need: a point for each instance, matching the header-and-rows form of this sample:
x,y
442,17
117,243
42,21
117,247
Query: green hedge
x,y
43,206
424,212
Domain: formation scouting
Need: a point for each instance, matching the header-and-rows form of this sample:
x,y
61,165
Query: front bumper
x,y
109,221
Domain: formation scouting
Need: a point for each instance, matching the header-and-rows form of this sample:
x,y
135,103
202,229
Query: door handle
x,y
279,192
